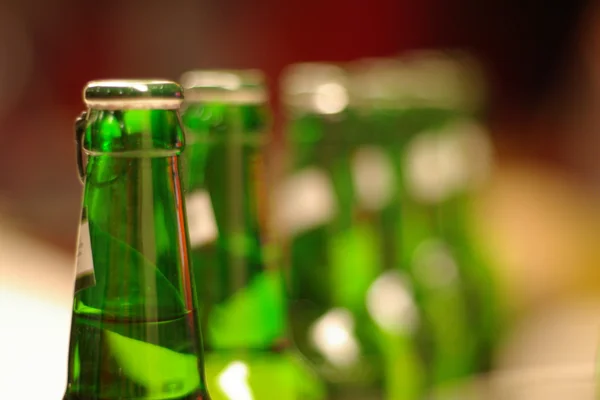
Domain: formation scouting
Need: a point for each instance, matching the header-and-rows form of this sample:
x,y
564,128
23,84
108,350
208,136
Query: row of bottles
x,y
390,294
248,353
354,277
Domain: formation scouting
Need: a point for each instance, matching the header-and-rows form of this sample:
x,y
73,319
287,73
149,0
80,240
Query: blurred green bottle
x,y
134,333
239,282
353,313
463,162
441,151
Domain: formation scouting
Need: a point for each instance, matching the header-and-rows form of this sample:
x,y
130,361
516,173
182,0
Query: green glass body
x,y
343,263
454,285
135,333
244,314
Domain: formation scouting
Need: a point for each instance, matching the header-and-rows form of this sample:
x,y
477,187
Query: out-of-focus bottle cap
x,y
317,87
226,86
423,78
448,79
378,82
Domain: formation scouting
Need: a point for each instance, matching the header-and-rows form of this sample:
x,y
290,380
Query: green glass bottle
x,y
240,284
444,339
421,108
135,332
353,312
462,162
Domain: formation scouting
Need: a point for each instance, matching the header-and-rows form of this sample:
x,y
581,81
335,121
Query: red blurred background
x,y
540,212
539,58
49,50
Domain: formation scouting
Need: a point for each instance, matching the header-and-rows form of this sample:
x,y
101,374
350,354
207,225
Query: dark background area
x,y
49,50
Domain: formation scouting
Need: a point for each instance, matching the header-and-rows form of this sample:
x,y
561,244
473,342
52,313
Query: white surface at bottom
x,y
36,289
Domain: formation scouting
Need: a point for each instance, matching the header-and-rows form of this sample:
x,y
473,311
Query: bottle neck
x,y
133,211
224,160
139,133
242,295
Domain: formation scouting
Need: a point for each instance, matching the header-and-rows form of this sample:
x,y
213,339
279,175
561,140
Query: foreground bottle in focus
x,y
134,333
244,316
353,312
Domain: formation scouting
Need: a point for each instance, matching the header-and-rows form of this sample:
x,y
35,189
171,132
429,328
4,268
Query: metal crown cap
x,y
133,94
225,85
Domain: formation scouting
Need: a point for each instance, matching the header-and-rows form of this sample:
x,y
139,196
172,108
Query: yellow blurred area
x,y
543,230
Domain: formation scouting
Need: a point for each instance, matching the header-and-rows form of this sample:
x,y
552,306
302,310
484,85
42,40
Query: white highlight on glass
x,y
390,303
373,175
202,226
330,98
333,336
141,88
303,201
441,163
434,264
123,84
84,262
233,381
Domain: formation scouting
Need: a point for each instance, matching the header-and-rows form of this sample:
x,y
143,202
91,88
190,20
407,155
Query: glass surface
x,y
135,334
244,316
423,107
353,312
454,285
390,295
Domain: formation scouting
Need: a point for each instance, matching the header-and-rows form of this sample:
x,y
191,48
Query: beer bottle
x,y
134,333
352,311
240,285
440,149
453,146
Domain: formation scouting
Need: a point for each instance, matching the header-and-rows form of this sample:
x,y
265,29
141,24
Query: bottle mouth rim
x,y
133,94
